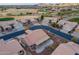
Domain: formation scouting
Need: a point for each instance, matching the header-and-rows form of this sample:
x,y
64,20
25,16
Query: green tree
x,y
74,39
42,18
3,9
54,24
60,14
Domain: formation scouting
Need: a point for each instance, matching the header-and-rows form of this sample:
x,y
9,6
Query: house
x,y
10,29
36,39
69,48
67,25
11,47
29,21
76,32
55,19
47,20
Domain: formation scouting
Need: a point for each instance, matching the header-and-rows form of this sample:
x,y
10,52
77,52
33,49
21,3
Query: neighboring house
x,y
32,21
55,19
10,28
54,9
76,32
45,22
16,24
35,22
47,19
67,25
11,47
36,39
69,48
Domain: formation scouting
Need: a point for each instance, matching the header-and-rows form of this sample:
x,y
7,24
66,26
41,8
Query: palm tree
x,y
50,22
55,25
42,18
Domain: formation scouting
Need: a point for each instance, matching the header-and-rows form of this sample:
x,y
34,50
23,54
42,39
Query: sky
x,y
33,2
18,3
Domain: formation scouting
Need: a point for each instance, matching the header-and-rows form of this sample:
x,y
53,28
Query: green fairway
x,y
74,20
61,13
6,19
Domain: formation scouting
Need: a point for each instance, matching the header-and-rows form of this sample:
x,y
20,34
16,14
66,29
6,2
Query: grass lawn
x,y
74,20
6,19
68,12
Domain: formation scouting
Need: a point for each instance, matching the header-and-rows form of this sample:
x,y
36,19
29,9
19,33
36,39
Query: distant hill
x,y
20,6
